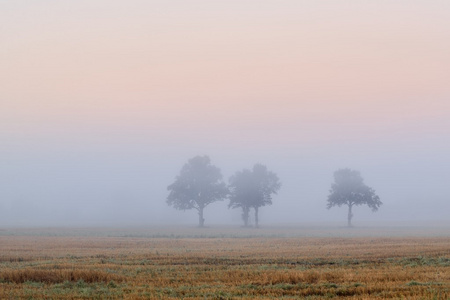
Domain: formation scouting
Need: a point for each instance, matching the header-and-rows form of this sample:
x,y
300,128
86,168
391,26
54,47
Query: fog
x,y
98,116
123,186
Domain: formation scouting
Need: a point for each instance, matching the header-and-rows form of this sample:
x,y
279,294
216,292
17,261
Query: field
x,y
225,263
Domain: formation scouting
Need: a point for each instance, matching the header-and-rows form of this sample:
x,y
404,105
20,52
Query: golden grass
x,y
57,275
224,268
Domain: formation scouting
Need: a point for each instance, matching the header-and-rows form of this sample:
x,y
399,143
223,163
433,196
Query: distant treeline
x,y
200,183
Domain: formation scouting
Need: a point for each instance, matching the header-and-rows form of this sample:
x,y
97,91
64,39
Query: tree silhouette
x,y
198,185
349,189
252,189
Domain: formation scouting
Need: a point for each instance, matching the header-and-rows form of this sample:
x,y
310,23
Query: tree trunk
x,y
245,212
201,220
256,217
350,216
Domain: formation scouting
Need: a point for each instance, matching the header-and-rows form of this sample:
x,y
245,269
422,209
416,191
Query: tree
x,y
198,185
252,189
241,193
349,189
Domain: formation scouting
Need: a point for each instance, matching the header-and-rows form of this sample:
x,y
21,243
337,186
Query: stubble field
x,y
223,264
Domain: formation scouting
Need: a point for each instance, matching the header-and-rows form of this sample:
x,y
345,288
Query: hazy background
x,y
102,102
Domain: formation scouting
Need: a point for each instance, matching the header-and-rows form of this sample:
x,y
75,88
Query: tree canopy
x,y
198,185
252,189
349,189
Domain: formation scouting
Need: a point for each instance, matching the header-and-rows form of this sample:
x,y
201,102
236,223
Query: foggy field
x,y
220,231
308,140
225,263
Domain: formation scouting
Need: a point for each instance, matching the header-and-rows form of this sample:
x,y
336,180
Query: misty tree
x,y
198,185
349,189
241,192
252,189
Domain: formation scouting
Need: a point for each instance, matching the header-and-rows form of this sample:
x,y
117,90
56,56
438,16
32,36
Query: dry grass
x,y
224,268
57,275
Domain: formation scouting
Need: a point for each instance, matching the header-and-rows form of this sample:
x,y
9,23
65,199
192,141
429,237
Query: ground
x,y
225,263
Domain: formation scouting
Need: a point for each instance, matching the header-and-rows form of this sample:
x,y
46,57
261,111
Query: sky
x,y
102,102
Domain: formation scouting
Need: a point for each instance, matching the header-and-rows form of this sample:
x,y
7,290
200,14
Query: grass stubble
x,y
93,267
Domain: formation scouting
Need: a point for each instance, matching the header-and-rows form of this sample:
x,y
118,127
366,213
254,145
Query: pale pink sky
x,y
104,98
291,69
